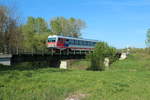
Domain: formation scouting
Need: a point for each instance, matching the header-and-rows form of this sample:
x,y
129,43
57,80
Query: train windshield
x,y
51,39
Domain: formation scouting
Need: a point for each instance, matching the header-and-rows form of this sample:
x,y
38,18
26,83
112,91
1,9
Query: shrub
x,y
101,51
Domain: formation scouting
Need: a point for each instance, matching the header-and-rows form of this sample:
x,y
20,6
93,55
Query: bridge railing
x,y
32,51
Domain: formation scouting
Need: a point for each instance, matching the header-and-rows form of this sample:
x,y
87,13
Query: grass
x,y
125,80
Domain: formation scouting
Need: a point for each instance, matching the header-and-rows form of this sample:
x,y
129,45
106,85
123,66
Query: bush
x,y
101,51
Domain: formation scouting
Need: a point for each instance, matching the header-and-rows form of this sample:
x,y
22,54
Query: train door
x,y
60,42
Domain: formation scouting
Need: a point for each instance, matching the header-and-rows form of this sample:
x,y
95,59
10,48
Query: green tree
x,y
148,38
35,31
28,30
36,25
41,25
67,27
75,26
101,51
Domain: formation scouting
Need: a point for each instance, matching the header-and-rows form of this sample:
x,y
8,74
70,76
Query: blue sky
x,y
121,23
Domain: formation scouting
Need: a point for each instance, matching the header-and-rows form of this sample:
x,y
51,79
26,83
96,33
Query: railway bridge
x,y
54,59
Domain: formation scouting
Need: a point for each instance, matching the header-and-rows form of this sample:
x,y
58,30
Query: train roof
x,y
58,36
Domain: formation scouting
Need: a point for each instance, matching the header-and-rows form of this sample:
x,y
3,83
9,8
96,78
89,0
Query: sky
x,y
121,23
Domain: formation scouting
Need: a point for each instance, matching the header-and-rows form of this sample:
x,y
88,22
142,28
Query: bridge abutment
x,y
5,59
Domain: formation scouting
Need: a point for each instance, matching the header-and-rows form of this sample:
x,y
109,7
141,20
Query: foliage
x,y
101,51
36,25
10,33
35,33
148,38
67,27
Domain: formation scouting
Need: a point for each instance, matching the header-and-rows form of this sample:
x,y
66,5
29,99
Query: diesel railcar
x,y
56,42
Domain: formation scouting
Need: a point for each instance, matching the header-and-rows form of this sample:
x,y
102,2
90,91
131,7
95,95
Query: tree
x,y
35,33
57,25
41,25
10,34
67,27
28,32
148,38
101,51
75,26
35,25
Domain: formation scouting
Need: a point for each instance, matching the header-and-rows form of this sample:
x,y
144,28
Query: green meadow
x,y
125,80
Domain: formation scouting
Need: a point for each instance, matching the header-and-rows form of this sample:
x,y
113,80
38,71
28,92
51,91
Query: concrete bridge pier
x,y
63,64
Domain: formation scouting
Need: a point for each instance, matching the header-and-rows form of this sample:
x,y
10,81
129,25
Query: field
x,y
125,80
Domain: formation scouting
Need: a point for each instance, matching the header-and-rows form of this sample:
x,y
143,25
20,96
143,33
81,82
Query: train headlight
x,y
51,45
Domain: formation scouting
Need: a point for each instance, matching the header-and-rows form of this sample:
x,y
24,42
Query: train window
x,y
51,39
89,43
70,41
79,42
82,42
73,42
60,39
76,42
94,43
85,43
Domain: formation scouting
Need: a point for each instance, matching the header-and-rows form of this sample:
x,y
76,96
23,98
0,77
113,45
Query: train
x,y
57,42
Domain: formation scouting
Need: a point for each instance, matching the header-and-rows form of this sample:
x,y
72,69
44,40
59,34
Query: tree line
x,y
34,32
